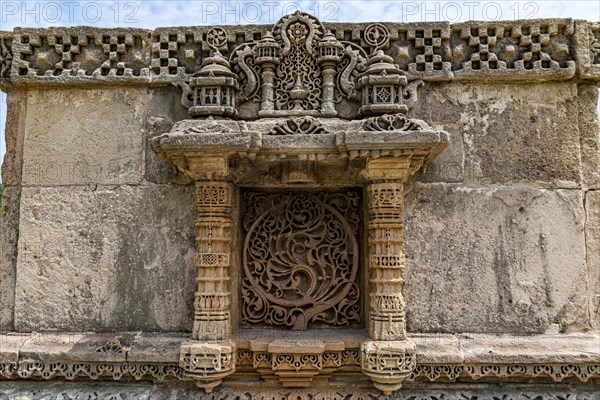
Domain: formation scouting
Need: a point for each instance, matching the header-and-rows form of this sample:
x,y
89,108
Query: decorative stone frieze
x,y
548,49
570,358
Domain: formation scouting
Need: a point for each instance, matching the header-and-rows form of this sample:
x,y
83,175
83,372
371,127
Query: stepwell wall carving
x,y
458,162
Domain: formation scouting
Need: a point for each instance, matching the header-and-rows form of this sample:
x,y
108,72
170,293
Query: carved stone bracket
x,y
207,363
298,363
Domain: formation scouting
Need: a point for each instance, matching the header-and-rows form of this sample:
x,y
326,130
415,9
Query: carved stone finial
x,y
213,88
384,87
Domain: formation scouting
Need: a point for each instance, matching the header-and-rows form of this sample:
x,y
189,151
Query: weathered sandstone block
x,y
12,164
495,260
512,134
79,137
164,109
592,236
589,130
109,259
9,233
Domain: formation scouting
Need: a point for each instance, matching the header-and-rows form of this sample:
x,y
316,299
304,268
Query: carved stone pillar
x,y
214,204
389,357
328,106
267,55
268,87
211,355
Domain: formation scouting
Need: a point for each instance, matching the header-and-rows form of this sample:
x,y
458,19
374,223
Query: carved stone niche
x,y
299,214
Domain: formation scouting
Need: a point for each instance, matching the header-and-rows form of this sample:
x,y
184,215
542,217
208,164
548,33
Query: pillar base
x,y
388,363
207,363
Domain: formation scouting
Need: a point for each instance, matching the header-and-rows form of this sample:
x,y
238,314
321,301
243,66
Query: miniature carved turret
x,y
213,89
384,87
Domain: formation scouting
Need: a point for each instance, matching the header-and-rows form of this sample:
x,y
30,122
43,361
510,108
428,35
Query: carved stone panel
x,y
301,266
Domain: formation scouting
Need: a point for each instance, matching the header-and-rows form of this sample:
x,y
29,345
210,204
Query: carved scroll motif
x,y
299,126
301,259
394,122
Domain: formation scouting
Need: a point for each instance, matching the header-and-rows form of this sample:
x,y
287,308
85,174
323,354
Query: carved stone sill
x,y
440,358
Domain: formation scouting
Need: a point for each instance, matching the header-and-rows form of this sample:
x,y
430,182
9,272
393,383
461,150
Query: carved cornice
x,y
385,136
423,372
548,49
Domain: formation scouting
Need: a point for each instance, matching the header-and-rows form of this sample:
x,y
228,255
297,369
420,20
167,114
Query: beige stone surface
x,y
164,109
79,136
542,349
105,259
589,129
495,260
10,347
16,110
9,233
592,236
512,134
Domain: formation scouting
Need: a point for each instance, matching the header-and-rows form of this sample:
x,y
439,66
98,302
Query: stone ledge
x,y
28,390
149,356
525,50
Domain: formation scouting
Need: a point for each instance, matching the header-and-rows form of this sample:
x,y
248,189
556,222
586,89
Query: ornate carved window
x,y
300,251
301,259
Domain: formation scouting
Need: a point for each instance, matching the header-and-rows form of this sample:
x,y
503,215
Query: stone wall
x,y
494,221
502,229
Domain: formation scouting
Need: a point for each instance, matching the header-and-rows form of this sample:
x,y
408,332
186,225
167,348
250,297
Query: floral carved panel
x,y
301,261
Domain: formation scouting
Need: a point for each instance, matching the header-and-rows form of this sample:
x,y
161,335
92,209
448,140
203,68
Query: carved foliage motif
x,y
298,69
301,259
299,126
394,122
298,83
